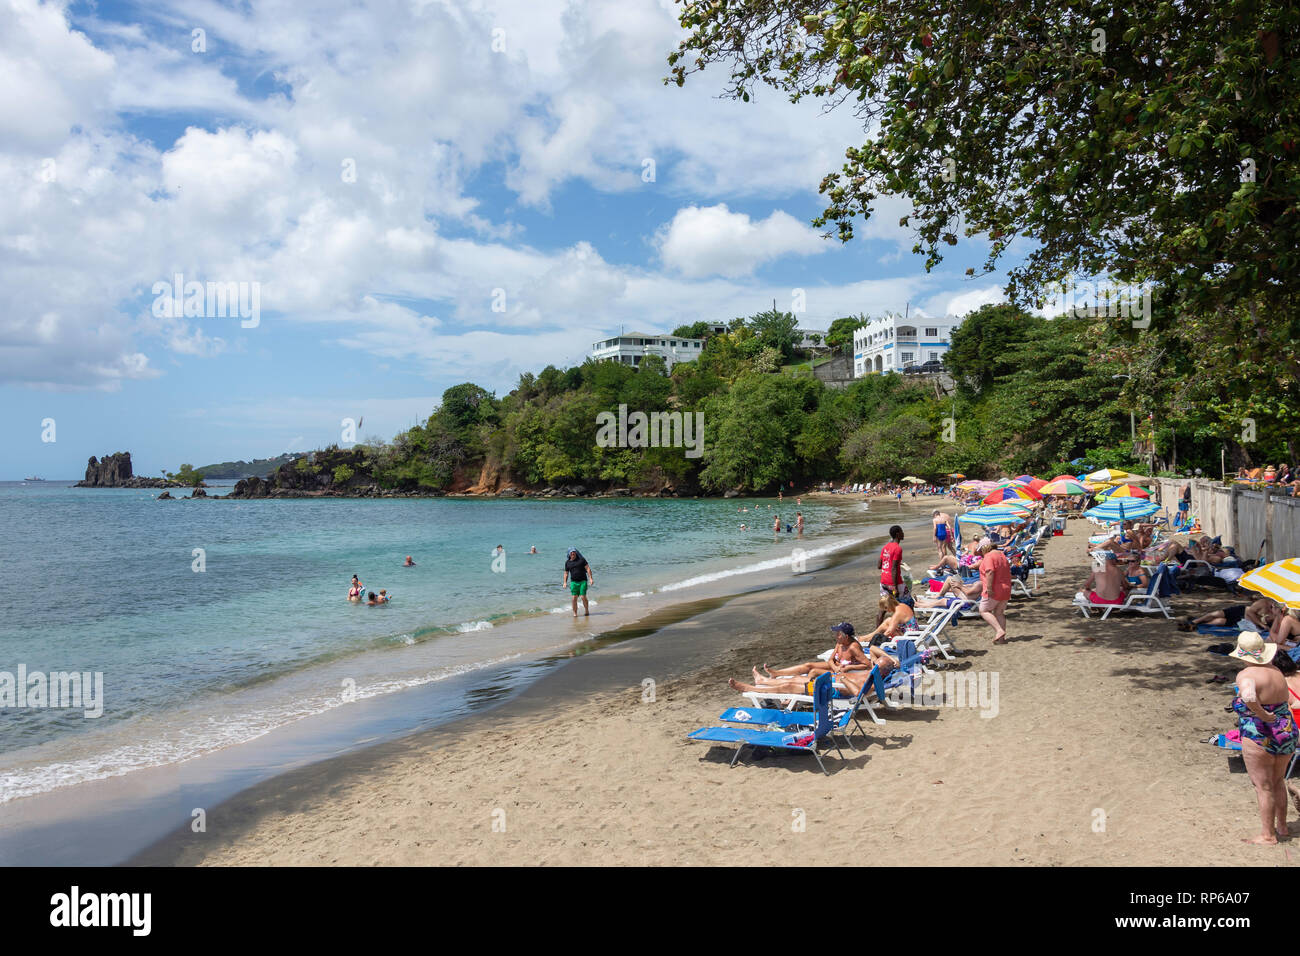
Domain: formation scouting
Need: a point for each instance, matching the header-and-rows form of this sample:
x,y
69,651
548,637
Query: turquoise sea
x,y
105,580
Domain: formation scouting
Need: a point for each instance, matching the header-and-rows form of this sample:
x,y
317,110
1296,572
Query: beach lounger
x,y
789,720
1148,601
803,740
938,619
910,669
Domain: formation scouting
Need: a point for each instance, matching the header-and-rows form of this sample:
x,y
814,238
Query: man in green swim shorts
x,y
577,575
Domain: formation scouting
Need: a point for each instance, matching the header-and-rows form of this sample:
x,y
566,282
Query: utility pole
x,y
1151,469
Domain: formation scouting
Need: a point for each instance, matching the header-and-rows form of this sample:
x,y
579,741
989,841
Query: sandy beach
x,y
1096,755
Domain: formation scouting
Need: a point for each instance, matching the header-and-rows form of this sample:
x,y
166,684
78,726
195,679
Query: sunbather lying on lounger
x,y
849,663
1260,614
954,589
847,654
1208,550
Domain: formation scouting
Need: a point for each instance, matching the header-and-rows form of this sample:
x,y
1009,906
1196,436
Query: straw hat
x,y
1253,649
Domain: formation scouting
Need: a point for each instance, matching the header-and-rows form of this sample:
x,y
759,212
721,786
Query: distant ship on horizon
x,y
29,478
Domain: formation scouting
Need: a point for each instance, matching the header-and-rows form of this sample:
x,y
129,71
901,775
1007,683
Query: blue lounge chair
x,y
803,719
803,739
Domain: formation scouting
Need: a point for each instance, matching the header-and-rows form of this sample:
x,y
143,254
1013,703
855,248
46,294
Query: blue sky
x,y
496,146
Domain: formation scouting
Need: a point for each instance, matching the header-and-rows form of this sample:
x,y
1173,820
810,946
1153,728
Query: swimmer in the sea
x,y
409,563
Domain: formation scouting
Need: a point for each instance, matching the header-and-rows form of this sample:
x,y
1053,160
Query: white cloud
x,y
255,186
964,303
713,240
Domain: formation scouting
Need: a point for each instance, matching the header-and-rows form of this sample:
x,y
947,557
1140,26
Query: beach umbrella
x,y
956,474
1279,581
1024,479
913,480
1011,493
994,515
1107,474
1037,485
1065,478
1063,486
1122,509
1127,491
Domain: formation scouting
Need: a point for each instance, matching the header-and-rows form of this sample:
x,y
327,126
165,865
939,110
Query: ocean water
x,y
105,581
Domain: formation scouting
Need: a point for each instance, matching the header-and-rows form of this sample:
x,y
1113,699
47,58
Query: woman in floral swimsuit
x,y
1268,731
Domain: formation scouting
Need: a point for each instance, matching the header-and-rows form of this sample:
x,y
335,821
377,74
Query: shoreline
x,y
219,773
1096,756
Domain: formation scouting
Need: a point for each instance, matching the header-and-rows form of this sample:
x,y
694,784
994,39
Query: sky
x,y
412,194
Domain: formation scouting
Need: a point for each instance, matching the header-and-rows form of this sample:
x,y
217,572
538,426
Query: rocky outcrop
x,y
114,471
349,473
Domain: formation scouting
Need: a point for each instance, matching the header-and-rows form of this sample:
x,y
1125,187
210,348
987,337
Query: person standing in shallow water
x,y
577,576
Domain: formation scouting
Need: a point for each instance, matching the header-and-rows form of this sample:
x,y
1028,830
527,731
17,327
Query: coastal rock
x,y
732,493
619,492
507,493
114,471
166,496
251,488
198,493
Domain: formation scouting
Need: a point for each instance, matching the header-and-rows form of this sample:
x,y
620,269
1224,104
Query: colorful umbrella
x,y
1278,581
1011,494
1107,474
1122,509
956,474
1037,485
1066,478
1063,486
1024,479
1127,491
994,515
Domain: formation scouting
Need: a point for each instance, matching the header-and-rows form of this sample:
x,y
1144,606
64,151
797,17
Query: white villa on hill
x,y
631,347
892,343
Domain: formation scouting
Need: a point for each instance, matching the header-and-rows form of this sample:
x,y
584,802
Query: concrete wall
x,y
1243,518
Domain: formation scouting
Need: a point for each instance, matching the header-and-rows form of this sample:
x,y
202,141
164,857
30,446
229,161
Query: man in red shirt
x,y
891,567
995,575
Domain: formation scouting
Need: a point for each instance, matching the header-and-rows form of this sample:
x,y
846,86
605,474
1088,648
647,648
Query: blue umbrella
x,y
1122,509
993,515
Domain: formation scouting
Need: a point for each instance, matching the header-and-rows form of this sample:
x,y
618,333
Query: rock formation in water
x,y
114,471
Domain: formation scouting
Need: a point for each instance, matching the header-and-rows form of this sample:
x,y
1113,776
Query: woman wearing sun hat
x,y
1268,731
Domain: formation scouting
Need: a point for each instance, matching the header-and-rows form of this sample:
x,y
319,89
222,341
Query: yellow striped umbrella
x,y
1108,474
1279,581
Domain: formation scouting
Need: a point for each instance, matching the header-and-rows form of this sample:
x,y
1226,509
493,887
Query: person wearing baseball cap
x,y
1268,730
